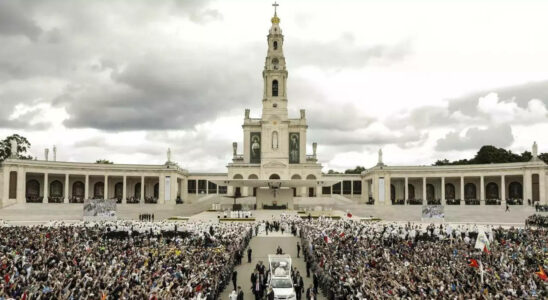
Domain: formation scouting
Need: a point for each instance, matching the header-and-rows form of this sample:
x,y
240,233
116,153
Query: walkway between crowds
x,y
262,245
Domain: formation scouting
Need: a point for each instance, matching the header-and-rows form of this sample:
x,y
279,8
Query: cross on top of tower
x,y
275,19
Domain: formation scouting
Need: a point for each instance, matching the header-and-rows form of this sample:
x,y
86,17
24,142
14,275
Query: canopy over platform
x,y
274,183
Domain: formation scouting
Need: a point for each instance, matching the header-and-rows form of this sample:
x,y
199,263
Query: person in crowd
x,y
118,260
354,260
240,294
298,250
234,278
310,293
249,255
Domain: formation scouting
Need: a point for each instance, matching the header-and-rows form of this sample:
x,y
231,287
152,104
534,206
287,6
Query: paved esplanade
x,y
262,245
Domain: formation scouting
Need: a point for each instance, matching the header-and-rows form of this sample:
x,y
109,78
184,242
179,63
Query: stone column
x,y
124,190
527,190
375,190
424,190
503,190
351,187
365,191
106,188
387,196
161,189
21,186
482,189
406,188
46,187
142,200
198,192
443,191
174,187
6,188
67,185
184,190
542,187
462,190
86,190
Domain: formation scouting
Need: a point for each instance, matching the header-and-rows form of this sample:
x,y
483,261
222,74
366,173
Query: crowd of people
x,y
537,221
353,260
118,260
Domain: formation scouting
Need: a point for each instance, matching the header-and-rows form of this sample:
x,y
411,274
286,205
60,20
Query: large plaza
x,y
274,222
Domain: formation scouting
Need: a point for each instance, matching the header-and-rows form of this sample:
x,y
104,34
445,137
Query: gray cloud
x,y
344,53
464,110
474,138
164,91
14,20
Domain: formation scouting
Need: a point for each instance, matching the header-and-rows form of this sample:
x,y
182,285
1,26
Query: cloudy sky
x,y
125,80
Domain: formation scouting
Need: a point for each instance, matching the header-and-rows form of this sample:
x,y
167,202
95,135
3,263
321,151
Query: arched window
x,y
78,190
430,192
274,176
449,191
515,190
33,188
99,190
469,191
119,190
56,189
157,190
275,88
137,190
411,191
275,45
492,191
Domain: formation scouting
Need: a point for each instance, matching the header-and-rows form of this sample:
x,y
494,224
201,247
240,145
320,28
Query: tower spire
x,y
275,19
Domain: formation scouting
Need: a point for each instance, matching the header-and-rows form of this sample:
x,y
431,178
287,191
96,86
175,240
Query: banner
x,y
433,212
482,242
99,210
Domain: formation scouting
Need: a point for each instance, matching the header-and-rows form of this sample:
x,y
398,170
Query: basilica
x,y
273,169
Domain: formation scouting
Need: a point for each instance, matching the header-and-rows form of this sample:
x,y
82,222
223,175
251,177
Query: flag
x,y
474,263
482,240
341,234
326,239
541,274
349,215
485,249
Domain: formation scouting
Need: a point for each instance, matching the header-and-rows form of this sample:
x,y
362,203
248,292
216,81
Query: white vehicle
x,y
280,277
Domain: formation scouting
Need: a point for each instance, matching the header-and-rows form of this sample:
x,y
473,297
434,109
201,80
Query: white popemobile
x,y
280,277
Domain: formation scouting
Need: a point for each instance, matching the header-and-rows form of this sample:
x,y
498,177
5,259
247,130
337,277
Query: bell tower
x,y
275,73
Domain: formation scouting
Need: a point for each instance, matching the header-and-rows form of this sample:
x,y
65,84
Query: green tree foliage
x,y
103,161
333,172
356,170
493,155
22,146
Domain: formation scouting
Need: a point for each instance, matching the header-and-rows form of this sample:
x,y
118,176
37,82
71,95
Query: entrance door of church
x,y
254,192
311,192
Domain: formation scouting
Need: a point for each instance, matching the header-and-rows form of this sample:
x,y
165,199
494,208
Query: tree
x,y
356,170
333,172
22,146
492,155
103,161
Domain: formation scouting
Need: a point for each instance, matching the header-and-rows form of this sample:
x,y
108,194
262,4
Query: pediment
x,y
274,165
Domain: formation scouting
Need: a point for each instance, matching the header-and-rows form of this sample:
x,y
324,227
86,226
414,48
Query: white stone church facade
x,y
274,149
